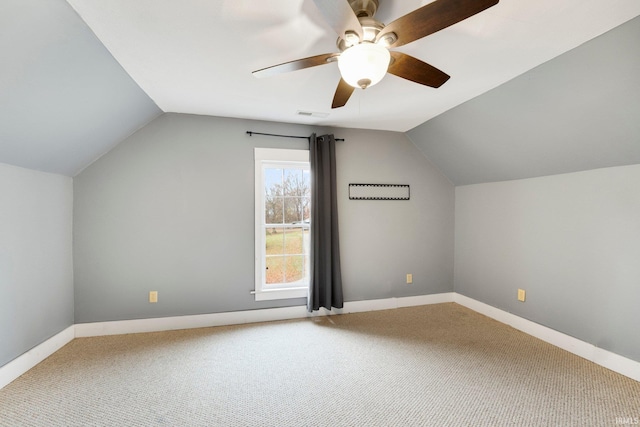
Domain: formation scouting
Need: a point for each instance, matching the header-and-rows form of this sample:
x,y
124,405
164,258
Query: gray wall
x,y
571,241
579,111
382,241
171,209
36,274
64,100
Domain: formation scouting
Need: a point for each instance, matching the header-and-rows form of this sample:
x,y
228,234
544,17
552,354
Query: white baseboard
x,y
615,362
22,364
391,303
249,316
31,358
120,327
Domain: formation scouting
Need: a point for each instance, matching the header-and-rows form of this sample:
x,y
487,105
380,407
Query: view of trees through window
x,y
287,219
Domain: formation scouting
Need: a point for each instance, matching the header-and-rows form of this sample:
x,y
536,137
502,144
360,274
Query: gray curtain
x,y
326,280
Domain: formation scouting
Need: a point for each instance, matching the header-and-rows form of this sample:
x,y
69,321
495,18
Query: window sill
x,y
273,294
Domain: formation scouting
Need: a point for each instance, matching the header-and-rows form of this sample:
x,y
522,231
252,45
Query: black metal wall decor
x,y
379,192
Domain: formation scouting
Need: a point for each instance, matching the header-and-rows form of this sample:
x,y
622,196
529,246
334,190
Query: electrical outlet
x,y
521,295
409,278
153,296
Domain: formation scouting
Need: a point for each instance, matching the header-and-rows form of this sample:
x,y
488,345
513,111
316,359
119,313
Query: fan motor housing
x,y
364,11
370,29
364,8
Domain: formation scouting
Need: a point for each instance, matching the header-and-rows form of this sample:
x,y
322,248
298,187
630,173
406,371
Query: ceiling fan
x,y
364,43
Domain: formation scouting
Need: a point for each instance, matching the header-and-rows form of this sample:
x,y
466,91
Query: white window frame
x,y
270,157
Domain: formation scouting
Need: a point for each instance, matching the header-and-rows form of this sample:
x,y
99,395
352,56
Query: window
x,y
283,209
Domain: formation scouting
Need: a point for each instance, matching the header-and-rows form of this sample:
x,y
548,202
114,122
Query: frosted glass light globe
x,y
364,64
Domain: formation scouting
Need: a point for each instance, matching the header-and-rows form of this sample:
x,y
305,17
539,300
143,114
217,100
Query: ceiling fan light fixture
x,y
351,38
364,64
388,39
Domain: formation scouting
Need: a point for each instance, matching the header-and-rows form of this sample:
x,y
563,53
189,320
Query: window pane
x,y
306,180
306,210
273,201
293,241
293,183
273,181
274,241
306,201
293,209
273,210
275,269
294,268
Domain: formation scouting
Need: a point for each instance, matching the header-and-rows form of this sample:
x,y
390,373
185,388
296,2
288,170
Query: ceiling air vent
x,y
311,114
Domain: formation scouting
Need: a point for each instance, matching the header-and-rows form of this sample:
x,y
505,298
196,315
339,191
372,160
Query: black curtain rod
x,y
251,133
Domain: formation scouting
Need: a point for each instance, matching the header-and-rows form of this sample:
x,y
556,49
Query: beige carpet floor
x,y
437,365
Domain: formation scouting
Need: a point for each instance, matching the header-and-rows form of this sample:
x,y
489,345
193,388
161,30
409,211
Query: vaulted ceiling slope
x,y
196,56
64,100
67,96
577,112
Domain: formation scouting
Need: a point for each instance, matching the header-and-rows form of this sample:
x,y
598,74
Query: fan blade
x,y
413,69
431,18
343,93
298,64
339,16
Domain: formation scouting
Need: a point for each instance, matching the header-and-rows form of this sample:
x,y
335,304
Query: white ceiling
x,y
196,56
